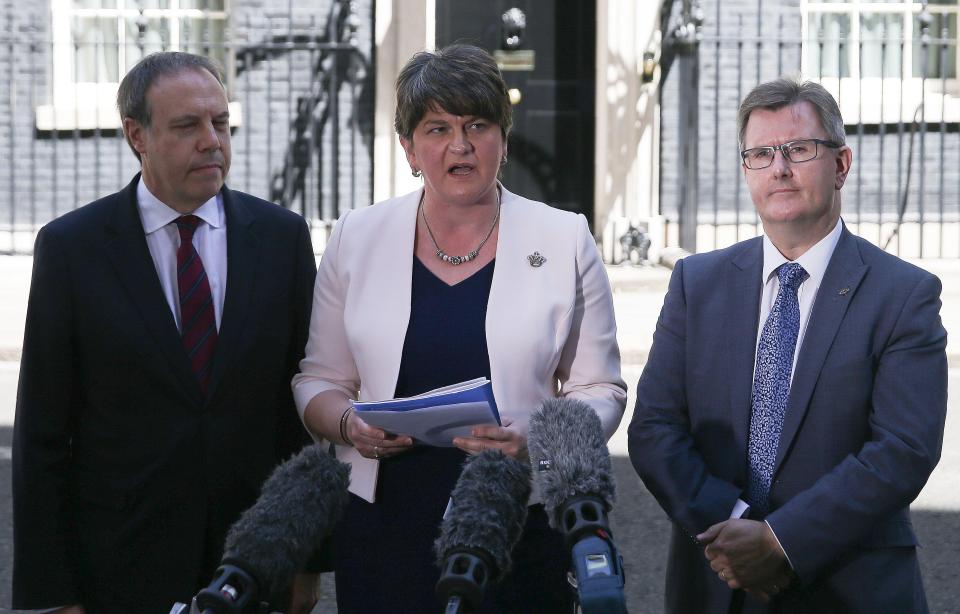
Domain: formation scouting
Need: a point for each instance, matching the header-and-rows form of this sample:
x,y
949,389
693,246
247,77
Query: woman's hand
x,y
376,443
500,438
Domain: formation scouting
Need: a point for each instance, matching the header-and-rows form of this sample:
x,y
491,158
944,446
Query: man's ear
x,y
844,162
134,131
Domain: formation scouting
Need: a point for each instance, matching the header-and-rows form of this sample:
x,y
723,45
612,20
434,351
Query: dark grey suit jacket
x,y
862,432
125,477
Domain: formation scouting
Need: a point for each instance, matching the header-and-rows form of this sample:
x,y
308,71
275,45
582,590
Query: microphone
x,y
298,506
486,515
572,470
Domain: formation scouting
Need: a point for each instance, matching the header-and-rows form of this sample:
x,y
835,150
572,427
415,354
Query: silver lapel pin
x,y
536,260
843,291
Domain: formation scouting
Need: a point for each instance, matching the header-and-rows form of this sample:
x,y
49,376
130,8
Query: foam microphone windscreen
x,y
569,455
298,506
488,509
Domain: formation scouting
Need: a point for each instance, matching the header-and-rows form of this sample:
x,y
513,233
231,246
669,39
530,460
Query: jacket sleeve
x,y
44,568
661,443
292,435
589,367
328,363
906,422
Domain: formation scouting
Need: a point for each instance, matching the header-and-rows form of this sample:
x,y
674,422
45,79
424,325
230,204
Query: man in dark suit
x,y
794,400
164,325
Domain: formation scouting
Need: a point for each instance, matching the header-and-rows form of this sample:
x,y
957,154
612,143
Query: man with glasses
x,y
794,399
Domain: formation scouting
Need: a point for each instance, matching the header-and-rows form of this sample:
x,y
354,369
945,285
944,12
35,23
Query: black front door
x,y
550,64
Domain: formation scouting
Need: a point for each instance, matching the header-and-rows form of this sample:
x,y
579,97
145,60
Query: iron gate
x,y
300,85
897,87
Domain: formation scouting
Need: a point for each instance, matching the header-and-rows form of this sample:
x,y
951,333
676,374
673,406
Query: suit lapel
x,y
243,255
126,247
840,283
744,283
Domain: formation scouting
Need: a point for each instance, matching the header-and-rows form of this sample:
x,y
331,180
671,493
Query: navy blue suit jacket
x,y
862,431
125,477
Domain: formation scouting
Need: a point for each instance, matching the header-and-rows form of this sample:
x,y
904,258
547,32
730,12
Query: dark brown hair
x,y
459,79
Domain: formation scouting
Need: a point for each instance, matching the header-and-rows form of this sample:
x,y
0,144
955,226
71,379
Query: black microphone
x,y
572,470
488,509
298,506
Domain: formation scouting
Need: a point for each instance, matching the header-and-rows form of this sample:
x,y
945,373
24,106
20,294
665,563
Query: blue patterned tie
x,y
771,384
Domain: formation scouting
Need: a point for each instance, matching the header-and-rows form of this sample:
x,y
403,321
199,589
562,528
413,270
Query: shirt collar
x,y
814,261
155,214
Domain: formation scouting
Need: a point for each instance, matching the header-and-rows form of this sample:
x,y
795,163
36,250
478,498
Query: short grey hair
x,y
132,93
783,92
459,79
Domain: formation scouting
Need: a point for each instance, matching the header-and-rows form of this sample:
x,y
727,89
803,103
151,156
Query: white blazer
x,y
550,329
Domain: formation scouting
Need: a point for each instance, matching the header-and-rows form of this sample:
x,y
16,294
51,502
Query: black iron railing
x,y
300,85
900,98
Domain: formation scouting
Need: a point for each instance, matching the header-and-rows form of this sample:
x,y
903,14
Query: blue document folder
x,y
435,417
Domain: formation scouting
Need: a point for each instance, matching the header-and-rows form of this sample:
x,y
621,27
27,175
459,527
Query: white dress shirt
x,y
163,240
814,261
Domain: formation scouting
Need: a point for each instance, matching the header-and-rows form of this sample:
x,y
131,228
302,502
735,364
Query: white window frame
x,y
874,100
92,105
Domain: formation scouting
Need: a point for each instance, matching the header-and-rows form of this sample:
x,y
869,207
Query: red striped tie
x,y
198,325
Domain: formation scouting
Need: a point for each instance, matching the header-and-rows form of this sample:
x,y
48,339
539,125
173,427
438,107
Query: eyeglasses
x,y
802,150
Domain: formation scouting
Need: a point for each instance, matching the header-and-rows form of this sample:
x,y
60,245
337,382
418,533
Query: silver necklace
x,y
458,260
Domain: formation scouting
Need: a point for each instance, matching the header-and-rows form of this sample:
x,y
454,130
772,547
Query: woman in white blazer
x,y
458,280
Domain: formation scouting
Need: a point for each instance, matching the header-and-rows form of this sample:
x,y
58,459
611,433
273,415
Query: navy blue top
x,y
383,552
446,339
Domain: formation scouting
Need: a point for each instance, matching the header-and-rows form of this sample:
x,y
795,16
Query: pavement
x,y
638,296
640,527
